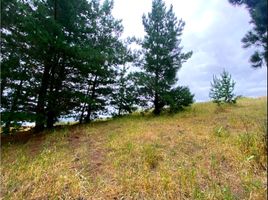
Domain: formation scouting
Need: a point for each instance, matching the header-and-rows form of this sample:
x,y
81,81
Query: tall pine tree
x,y
100,62
16,70
163,53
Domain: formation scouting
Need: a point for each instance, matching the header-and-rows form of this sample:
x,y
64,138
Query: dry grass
x,y
205,152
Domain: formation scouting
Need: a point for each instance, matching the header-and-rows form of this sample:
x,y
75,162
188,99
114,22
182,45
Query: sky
x,y
213,31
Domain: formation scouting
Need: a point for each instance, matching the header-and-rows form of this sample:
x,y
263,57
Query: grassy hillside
x,y
205,152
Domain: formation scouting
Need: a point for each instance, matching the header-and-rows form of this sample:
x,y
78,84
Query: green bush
x,y
178,98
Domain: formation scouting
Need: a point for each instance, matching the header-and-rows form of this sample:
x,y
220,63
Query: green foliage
x,y
163,55
222,89
58,60
125,94
254,144
178,98
264,134
256,37
151,156
221,132
102,55
17,81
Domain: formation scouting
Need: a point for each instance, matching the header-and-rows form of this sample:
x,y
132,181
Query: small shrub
x,y
127,148
214,162
221,132
151,156
254,144
263,133
178,98
222,89
199,194
247,142
227,193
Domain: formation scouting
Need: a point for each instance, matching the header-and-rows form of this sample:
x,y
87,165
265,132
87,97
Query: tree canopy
x,y
256,37
59,59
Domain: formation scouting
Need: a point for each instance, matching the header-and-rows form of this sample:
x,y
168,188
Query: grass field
x,y
205,152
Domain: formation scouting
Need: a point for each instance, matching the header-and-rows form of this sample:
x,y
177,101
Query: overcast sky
x,y
213,31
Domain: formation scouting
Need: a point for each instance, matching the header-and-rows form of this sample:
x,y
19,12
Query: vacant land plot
x,y
205,152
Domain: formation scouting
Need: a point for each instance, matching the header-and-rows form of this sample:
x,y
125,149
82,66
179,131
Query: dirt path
x,y
89,154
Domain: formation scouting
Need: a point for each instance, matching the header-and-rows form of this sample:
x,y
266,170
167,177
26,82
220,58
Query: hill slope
x,y
205,152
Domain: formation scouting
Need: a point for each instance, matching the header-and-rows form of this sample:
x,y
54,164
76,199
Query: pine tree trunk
x,y
89,110
40,108
87,118
83,108
157,108
50,119
82,114
53,94
51,115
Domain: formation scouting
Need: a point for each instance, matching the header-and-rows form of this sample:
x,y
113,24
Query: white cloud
x,y
131,11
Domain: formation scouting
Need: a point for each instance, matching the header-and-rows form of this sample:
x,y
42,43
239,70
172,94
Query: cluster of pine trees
x,y
67,59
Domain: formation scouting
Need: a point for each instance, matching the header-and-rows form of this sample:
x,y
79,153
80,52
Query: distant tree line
x,y
67,59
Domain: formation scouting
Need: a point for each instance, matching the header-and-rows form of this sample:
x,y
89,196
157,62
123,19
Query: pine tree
x,y
59,58
125,96
16,70
257,37
100,62
56,38
163,53
222,89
